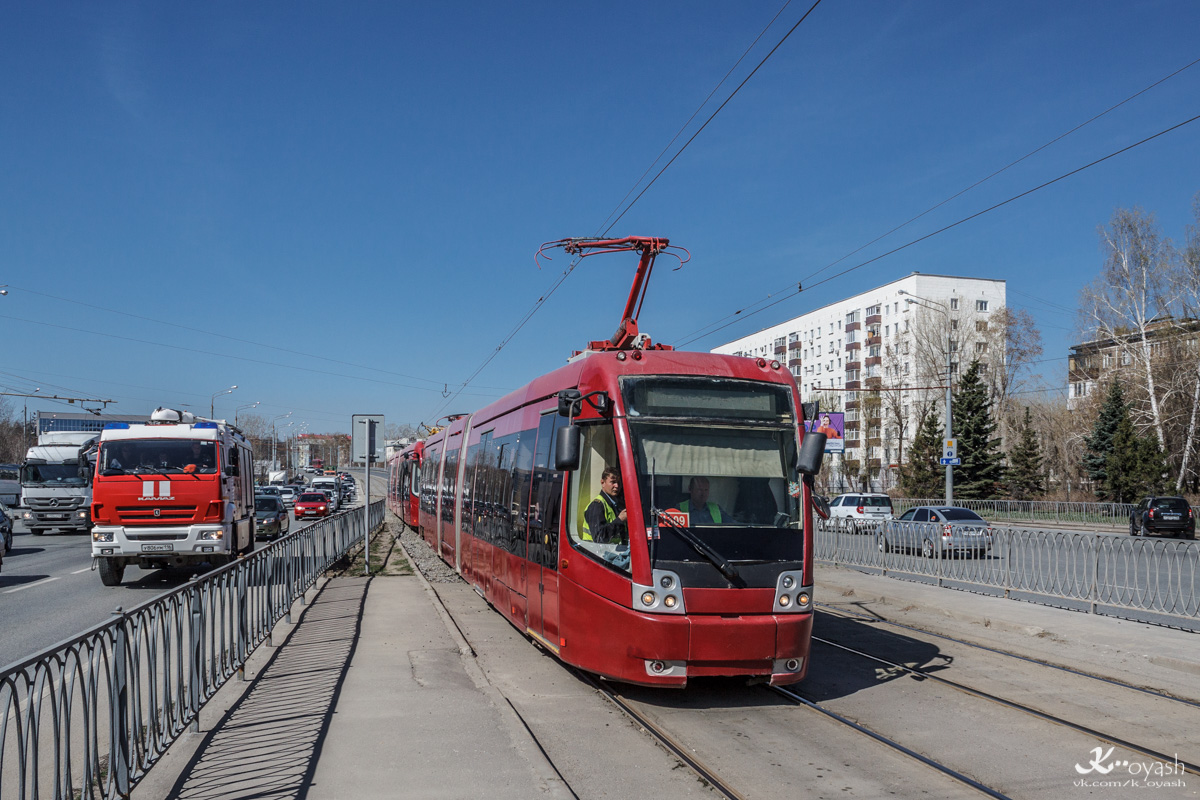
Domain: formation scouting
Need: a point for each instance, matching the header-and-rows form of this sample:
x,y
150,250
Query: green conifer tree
x,y
1025,478
921,474
1100,442
982,471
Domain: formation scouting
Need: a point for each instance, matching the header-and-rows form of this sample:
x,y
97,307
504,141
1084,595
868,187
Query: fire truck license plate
x,y
157,548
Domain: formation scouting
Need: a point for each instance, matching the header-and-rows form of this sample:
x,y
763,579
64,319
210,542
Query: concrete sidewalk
x,y
368,696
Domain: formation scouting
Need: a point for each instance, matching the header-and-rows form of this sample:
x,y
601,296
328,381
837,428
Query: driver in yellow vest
x,y
604,518
701,510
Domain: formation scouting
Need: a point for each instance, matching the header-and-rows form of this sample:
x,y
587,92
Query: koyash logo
x,y
164,490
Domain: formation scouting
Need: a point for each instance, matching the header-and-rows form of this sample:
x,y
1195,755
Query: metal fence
x,y
89,717
1147,578
1039,511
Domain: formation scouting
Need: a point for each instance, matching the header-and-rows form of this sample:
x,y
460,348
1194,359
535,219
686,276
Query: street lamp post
x,y
212,406
239,408
925,302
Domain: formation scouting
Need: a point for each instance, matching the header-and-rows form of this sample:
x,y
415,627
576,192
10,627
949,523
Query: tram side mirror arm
x,y
568,402
812,453
566,448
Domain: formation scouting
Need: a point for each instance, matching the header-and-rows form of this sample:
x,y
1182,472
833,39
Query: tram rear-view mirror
x,y
566,399
566,448
812,452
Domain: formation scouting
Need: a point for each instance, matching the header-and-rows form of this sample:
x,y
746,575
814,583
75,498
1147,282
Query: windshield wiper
x,y
716,559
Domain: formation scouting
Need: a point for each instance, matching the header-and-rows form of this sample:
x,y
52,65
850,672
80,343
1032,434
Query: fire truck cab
x,y
174,491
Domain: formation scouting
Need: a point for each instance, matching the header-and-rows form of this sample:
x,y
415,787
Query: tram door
x,y
544,515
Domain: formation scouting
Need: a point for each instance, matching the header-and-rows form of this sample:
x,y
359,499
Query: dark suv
x,y
1170,515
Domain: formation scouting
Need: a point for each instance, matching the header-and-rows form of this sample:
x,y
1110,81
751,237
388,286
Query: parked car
x,y
270,517
860,511
934,529
1170,515
312,504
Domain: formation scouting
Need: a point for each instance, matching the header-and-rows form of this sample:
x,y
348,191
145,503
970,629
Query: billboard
x,y
833,425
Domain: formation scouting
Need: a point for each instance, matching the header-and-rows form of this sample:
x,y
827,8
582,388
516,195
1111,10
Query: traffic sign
x,y
951,462
949,449
366,435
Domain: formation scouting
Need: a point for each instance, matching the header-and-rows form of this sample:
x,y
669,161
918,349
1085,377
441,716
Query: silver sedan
x,y
937,529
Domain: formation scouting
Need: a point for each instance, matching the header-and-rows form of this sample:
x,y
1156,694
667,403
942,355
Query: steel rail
x,y
1013,704
88,717
662,737
892,743
828,609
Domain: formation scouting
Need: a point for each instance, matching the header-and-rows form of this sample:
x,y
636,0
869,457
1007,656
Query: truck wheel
x,y
111,571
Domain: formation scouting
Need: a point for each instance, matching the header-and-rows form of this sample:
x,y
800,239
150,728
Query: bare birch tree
x,y
1013,343
1130,296
1187,278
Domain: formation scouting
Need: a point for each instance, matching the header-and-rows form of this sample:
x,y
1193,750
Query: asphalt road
x,y
49,592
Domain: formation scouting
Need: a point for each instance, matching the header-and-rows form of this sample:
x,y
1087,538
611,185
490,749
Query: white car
x,y
861,511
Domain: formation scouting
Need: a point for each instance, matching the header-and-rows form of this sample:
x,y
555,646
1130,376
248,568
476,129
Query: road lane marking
x,y
31,585
85,569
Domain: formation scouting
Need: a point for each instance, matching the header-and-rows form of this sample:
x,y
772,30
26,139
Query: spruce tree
x,y
982,472
1025,478
921,474
1100,442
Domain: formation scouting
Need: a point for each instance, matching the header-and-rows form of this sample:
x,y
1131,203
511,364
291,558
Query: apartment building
x,y
1168,341
880,356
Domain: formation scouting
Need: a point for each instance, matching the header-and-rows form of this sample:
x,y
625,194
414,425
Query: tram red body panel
x,y
487,499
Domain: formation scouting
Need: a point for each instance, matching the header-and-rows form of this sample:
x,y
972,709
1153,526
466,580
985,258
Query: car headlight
x,y
102,537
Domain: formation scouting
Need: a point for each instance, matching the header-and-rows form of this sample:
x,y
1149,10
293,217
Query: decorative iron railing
x,y
87,718
1148,578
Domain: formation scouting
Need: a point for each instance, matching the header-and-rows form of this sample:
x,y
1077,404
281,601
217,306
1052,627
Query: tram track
x,y
843,614
1011,704
944,769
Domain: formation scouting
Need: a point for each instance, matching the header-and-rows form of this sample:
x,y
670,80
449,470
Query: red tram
x,y
712,583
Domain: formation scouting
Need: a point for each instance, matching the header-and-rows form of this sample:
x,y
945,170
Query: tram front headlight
x,y
669,601
788,581
666,581
802,599
785,600
648,598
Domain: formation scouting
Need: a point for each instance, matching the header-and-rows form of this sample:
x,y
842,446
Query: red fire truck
x,y
176,490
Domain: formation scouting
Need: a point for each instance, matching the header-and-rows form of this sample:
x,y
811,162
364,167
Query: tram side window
x,y
546,496
449,482
599,450
470,489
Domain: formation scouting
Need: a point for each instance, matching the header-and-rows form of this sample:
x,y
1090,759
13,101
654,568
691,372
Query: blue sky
x,y
285,194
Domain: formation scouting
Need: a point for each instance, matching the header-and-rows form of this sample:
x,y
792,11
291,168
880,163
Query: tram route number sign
x,y
673,516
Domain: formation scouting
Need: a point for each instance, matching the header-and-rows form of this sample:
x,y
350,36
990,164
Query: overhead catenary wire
x,y
604,230
693,336
945,228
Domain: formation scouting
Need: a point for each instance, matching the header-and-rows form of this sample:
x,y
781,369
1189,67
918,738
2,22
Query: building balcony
x,y
779,348
850,346
853,365
875,319
873,463
874,442
874,381
853,384
853,326
874,361
851,444
793,362
796,345
851,405
873,340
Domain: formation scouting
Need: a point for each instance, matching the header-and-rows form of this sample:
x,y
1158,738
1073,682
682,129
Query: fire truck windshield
x,y
163,456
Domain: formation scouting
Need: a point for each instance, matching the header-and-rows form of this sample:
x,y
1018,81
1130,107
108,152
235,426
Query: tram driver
x,y
700,509
604,519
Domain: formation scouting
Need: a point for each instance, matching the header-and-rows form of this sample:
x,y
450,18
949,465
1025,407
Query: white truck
x,y
56,482
277,478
